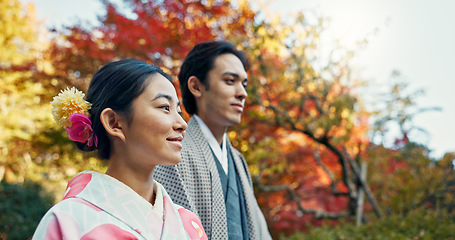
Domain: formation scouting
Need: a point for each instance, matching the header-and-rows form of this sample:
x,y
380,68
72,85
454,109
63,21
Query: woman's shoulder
x,y
74,210
74,217
75,205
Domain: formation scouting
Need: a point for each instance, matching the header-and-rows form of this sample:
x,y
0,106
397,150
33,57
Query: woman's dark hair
x,y
115,86
199,61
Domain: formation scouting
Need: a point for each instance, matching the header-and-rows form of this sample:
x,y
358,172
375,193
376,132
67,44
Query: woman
x,y
132,117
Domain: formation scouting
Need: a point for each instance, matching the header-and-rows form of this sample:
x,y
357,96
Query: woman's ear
x,y
113,123
195,86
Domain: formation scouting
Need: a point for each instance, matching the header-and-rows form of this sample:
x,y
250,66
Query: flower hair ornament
x,y
70,111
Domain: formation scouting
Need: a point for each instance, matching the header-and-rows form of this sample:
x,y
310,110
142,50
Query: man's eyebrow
x,y
234,75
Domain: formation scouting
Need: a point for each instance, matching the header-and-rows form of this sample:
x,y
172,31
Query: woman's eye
x,y
165,107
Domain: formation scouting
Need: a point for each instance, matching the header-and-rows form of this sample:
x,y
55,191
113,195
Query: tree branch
x,y
327,171
318,214
342,158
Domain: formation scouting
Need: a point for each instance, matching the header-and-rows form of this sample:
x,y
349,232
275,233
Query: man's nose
x,y
241,91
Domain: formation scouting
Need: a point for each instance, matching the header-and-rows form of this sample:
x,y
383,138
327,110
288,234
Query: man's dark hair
x,y
199,61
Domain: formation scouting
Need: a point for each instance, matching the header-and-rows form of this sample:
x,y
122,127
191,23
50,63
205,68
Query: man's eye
x,y
229,81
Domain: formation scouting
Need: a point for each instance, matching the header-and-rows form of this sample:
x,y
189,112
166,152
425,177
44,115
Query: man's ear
x,y
113,123
195,86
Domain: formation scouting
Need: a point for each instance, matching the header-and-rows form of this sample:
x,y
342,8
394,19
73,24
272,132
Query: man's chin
x,y
235,121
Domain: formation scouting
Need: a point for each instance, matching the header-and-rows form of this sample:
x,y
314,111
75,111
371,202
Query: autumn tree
x,y
409,179
304,133
303,125
414,190
159,32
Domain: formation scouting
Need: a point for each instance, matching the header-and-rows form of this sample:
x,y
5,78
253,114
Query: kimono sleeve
x,y
57,226
78,221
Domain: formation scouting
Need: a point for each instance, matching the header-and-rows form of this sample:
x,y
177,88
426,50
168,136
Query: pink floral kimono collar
x,y
106,193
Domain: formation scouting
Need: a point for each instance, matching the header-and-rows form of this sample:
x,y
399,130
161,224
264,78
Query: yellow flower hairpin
x,y
68,102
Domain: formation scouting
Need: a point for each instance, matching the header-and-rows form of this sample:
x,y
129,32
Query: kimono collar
x,y
219,151
123,203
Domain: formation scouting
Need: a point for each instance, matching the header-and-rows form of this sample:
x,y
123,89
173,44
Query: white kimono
x,y
97,206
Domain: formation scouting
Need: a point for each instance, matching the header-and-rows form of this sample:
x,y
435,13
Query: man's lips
x,y
238,107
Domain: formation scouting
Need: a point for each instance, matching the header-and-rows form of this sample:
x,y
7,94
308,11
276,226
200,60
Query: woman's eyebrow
x,y
168,97
162,95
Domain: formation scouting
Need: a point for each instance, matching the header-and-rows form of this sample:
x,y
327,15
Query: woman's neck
x,y
141,181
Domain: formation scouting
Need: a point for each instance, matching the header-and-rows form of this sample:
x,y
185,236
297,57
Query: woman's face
x,y
155,132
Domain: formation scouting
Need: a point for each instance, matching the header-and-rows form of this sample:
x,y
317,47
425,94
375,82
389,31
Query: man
x,y
212,178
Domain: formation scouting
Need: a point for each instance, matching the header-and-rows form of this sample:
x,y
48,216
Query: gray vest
x,y
234,199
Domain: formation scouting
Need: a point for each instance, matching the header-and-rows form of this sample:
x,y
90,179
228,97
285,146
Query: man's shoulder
x,y
196,150
192,148
193,137
235,151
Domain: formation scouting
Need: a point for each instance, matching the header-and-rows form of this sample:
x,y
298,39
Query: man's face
x,y
222,104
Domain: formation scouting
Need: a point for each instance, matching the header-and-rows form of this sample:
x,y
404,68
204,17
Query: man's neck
x,y
217,130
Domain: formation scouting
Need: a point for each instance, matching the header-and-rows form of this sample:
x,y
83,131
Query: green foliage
x,y
21,208
24,109
417,225
32,146
407,179
17,34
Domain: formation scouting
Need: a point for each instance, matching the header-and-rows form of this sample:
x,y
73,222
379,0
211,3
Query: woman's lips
x,y
177,141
